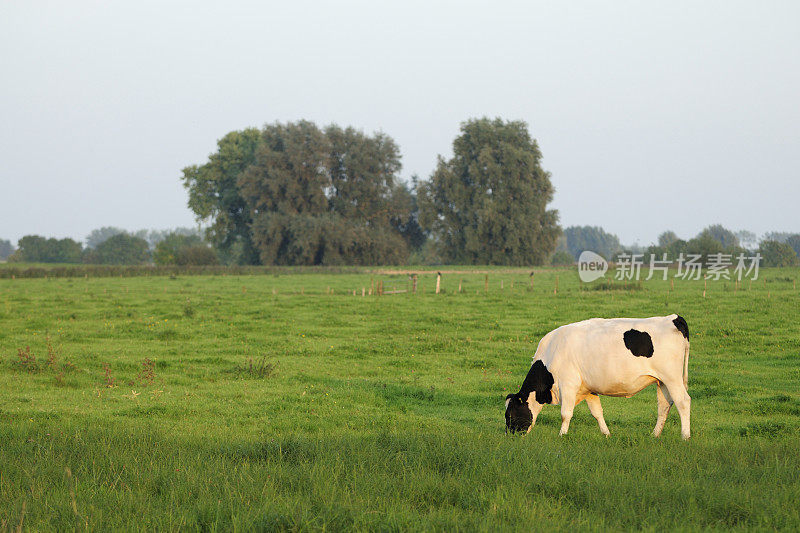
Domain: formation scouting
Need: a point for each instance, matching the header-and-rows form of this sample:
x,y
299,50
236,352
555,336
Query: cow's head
x,y
518,413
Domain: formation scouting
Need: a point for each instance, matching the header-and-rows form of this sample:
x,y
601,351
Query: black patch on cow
x,y
518,414
638,342
538,381
682,326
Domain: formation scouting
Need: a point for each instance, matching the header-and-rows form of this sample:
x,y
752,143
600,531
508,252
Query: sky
x,y
650,115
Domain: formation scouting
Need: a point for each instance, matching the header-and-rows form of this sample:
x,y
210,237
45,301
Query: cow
x,y
612,357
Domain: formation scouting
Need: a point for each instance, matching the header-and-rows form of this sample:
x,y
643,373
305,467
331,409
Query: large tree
x,y
284,190
488,203
324,197
214,195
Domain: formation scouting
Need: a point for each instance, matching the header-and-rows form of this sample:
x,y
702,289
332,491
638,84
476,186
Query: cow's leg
x,y
536,408
568,401
683,402
593,401
664,403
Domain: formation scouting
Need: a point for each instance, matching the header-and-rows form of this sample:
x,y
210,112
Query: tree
x,y
121,249
325,197
488,203
720,234
779,236
747,239
794,241
99,235
363,175
214,195
705,244
778,254
407,215
6,249
167,250
594,238
667,238
296,194
37,249
284,189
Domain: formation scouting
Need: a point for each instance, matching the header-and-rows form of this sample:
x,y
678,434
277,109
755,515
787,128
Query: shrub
x,y
196,256
562,258
167,250
121,249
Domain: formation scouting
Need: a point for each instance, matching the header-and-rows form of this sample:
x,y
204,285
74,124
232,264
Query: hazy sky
x,y
650,116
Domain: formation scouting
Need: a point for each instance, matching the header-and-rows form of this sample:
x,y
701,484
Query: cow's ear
x,y
509,396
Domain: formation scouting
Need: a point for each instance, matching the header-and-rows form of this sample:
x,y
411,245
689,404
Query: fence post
x,y
414,284
486,283
459,285
555,290
438,281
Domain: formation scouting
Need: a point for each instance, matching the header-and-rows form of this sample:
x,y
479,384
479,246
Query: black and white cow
x,y
613,357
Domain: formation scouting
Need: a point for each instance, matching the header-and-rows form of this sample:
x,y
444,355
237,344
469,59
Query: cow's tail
x,y
686,366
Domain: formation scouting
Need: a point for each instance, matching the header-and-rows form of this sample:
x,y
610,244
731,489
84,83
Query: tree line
x,y
298,194
776,248
114,246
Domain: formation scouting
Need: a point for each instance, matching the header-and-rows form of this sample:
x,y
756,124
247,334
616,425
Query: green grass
x,y
266,402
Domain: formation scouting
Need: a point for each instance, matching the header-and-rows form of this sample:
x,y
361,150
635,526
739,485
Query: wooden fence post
x,y
414,284
486,283
555,290
459,285
438,281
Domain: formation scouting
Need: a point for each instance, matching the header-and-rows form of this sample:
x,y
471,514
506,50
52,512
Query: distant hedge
x,y
129,271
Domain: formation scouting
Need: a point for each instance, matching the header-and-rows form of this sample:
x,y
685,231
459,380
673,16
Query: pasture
x,y
284,402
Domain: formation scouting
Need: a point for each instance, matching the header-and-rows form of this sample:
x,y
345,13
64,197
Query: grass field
x,y
284,402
